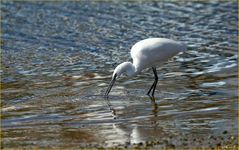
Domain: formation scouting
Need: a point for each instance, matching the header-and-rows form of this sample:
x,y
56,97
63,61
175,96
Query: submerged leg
x,y
155,82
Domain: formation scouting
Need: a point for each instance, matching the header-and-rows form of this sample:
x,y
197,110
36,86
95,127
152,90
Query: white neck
x,y
125,67
130,69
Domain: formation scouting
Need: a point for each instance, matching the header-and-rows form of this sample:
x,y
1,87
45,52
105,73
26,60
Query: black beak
x,y
110,85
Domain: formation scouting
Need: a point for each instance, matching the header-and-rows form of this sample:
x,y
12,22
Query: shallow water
x,y
58,58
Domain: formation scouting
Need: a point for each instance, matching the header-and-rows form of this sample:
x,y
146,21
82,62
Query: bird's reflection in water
x,y
153,102
154,106
111,109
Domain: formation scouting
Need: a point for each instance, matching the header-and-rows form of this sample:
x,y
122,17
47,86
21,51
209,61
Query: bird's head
x,y
125,68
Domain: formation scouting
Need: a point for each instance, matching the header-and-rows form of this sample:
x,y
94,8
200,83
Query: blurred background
x,y
58,58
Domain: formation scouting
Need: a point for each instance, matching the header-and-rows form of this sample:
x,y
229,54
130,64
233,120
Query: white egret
x,y
151,52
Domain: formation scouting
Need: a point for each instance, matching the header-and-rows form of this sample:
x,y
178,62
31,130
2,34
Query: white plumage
x,y
153,52
150,52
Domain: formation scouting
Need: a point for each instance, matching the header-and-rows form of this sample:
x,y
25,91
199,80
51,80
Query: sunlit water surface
x,y
58,57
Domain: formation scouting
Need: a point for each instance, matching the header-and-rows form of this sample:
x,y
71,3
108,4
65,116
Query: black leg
x,y
155,82
151,87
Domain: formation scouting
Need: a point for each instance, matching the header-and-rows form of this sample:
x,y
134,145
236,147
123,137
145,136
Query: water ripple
x,y
58,58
